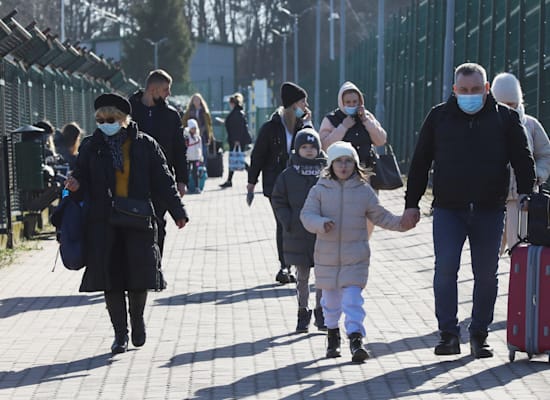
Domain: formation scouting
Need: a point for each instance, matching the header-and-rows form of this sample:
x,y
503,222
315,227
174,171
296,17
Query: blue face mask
x,y
299,112
350,110
109,129
470,103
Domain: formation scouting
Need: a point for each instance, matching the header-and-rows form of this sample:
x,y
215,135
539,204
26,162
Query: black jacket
x,y
269,155
237,128
120,258
288,197
471,156
166,129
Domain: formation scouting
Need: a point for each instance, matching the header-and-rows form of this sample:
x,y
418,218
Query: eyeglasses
x,y
110,120
343,161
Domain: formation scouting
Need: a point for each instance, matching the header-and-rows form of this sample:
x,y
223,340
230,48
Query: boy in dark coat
x,y
288,197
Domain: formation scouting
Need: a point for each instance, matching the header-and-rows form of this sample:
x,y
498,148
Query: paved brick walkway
x,y
223,328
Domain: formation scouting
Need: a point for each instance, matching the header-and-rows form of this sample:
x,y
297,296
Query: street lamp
x,y
295,16
156,48
284,35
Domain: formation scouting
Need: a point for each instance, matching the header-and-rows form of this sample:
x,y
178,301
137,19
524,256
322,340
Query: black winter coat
x,y
269,155
471,156
288,197
166,128
121,258
237,128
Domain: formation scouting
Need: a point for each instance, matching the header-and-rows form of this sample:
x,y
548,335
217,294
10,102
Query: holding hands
x,y
410,218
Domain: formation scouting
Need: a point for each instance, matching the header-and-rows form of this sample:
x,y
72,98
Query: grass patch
x,y
8,256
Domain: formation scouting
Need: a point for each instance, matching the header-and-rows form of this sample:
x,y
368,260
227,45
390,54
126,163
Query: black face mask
x,y
159,101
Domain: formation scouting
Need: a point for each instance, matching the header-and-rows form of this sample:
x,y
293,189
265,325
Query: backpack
x,y
538,219
69,220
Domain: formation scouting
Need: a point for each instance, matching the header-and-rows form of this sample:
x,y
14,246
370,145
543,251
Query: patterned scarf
x,y
115,145
307,167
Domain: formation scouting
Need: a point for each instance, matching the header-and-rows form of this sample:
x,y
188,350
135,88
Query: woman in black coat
x,y
237,130
119,164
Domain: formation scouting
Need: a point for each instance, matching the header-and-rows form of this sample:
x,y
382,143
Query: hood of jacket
x,y
348,86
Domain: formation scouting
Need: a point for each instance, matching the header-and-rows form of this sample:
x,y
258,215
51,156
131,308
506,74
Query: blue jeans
x,y
483,228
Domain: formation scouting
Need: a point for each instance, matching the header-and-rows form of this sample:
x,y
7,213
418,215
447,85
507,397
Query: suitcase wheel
x,y
512,356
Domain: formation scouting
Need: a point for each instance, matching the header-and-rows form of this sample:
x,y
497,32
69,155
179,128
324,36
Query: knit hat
x,y
305,136
192,123
341,149
113,100
291,93
506,89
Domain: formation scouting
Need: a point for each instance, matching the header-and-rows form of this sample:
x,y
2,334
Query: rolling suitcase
x,y
214,161
528,324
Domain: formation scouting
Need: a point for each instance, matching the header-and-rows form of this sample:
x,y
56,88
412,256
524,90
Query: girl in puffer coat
x,y
336,210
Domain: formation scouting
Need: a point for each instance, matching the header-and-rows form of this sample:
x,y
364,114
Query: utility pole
x,y
317,94
448,51
380,76
342,41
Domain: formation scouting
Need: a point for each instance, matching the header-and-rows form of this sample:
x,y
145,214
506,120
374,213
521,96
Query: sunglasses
x,y
107,120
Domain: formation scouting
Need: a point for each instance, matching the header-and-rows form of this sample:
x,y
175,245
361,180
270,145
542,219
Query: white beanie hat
x,y
192,123
506,89
341,149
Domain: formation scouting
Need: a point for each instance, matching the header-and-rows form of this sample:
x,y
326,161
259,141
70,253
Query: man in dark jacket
x,y
162,121
271,153
471,139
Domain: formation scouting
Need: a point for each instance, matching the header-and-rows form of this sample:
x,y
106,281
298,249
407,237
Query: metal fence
x,y
501,35
44,79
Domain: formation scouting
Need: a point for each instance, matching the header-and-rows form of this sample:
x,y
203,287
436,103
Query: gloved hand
x,y
249,198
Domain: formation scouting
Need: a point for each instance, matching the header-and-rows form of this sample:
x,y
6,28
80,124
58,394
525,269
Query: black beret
x,y
113,100
291,93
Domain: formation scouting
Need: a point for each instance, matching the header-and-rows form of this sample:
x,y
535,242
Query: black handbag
x,y
127,212
387,175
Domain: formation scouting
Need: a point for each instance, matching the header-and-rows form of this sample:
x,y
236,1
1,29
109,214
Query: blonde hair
x,y
113,112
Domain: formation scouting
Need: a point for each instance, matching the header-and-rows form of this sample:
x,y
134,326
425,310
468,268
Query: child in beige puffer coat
x,y
336,210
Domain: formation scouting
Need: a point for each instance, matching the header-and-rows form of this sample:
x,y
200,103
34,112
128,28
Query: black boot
x,y
137,305
333,346
319,319
358,351
116,306
304,317
448,345
478,345
226,184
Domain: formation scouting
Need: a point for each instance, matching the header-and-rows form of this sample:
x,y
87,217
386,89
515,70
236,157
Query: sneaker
x,y
448,345
226,184
284,276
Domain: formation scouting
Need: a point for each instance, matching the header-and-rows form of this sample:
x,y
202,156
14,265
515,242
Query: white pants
x,y
350,301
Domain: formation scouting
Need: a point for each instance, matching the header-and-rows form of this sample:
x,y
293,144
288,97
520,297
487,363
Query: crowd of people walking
x,y
143,154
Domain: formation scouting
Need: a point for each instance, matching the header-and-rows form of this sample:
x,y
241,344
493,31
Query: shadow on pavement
x,y
254,385
45,373
245,349
229,296
16,305
400,383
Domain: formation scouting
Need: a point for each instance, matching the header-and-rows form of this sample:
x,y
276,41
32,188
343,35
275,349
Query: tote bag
x,y
236,159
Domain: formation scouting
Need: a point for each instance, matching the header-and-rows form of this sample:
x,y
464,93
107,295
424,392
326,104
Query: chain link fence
x,y
43,79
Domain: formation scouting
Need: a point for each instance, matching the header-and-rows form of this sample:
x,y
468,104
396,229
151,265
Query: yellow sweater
x,y
122,177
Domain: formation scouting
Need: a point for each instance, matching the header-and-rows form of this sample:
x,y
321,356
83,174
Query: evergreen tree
x,y
155,20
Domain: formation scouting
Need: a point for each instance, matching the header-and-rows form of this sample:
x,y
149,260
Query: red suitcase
x,y
528,325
